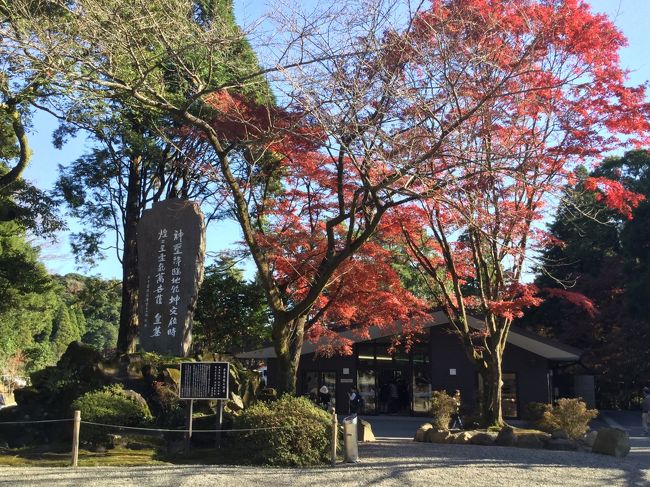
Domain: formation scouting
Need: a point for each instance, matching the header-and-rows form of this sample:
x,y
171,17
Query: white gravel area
x,y
386,462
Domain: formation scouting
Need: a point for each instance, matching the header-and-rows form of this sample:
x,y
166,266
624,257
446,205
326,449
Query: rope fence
x,y
77,422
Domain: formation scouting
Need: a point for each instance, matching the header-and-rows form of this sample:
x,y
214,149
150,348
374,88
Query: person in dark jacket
x,y
645,410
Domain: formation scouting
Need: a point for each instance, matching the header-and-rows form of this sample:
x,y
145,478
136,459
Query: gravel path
x,y
385,462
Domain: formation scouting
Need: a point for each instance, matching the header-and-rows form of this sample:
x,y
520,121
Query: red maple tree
x,y
568,105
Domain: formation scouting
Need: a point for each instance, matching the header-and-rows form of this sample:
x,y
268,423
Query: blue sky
x,y
631,16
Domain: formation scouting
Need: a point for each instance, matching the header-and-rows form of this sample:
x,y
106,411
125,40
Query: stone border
x,y
608,441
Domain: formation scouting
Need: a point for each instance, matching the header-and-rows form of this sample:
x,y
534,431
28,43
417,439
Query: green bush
x,y
110,405
303,436
570,415
443,406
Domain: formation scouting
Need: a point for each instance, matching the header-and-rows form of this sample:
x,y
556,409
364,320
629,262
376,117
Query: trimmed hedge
x,y
303,437
110,405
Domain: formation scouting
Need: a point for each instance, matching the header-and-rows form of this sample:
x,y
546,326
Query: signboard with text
x,y
204,380
171,248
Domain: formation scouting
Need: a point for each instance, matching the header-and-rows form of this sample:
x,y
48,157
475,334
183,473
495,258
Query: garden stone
x,y
134,396
506,437
482,438
463,438
559,435
590,438
235,403
421,432
438,436
612,441
530,440
364,431
561,444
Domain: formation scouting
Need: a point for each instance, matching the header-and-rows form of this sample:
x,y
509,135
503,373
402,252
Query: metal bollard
x,y
350,439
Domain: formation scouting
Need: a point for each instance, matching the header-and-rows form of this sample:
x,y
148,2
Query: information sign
x,y
204,380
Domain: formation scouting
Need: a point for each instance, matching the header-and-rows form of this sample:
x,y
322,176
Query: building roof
x,y
544,347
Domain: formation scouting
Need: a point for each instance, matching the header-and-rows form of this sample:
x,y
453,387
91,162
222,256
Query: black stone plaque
x,y
171,249
204,380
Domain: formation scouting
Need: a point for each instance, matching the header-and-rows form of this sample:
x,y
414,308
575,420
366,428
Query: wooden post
x,y
76,426
335,430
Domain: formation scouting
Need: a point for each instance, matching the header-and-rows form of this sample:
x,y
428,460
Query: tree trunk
x,y
492,384
128,332
287,338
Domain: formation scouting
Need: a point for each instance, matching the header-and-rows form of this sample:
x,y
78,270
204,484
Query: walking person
x,y
645,410
324,397
356,402
456,422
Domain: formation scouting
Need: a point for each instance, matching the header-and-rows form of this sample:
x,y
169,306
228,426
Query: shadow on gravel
x,y
402,456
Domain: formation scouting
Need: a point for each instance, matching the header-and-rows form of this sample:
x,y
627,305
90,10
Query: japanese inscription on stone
x,y
204,380
171,248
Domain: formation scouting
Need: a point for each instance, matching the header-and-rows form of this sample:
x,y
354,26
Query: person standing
x,y
645,410
356,401
456,422
324,397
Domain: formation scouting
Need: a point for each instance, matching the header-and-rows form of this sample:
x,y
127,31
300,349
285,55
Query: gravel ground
x,y
386,462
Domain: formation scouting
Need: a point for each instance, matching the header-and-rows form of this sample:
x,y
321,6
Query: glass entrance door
x,y
366,385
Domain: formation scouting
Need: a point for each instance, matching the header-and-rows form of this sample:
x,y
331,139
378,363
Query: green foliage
x,y
443,406
605,257
302,436
231,313
110,405
570,415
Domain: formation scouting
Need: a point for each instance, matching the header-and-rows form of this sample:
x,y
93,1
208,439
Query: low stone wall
x,y
609,441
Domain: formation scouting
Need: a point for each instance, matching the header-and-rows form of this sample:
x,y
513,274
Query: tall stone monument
x,y
171,250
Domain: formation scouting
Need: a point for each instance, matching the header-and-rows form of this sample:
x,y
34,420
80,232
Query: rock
x,y
463,438
98,448
420,434
364,431
438,436
530,440
612,441
134,396
235,403
561,444
590,438
114,441
506,437
482,438
559,435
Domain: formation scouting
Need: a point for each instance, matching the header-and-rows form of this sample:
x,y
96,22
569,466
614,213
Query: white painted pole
x,y
335,429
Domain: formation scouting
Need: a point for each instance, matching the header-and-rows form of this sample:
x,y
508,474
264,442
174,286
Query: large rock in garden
x,y
364,431
590,438
422,431
438,436
559,435
235,403
612,441
483,438
134,396
506,437
463,438
531,440
561,444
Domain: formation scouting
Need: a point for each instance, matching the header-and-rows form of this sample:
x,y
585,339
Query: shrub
x,y
302,436
110,405
443,406
570,415
534,413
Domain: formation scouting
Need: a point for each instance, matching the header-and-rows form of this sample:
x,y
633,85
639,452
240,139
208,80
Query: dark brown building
x,y
402,382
